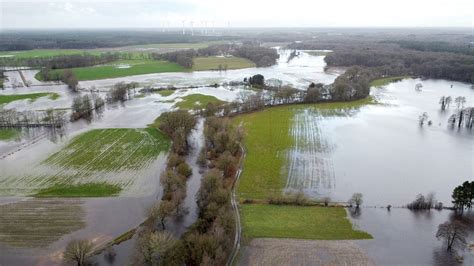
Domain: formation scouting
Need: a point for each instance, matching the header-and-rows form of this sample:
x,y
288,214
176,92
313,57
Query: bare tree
x,y
356,199
153,245
460,101
422,118
453,233
78,250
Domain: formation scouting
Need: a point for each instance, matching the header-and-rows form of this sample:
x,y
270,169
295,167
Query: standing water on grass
x,y
380,150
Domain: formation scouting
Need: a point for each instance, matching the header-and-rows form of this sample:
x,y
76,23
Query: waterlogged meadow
x,y
100,162
285,148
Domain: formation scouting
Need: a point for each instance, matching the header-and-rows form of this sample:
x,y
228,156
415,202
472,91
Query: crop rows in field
x,y
111,150
126,158
287,150
39,222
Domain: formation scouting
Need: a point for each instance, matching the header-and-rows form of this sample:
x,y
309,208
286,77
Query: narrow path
x,y
235,209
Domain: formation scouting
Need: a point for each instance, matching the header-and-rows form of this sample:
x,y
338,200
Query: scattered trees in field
x,y
422,118
78,251
460,101
423,203
357,199
445,102
454,234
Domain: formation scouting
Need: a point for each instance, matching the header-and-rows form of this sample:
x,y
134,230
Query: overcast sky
x,y
236,13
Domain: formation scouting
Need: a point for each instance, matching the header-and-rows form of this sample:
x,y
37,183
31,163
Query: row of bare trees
x,y
50,117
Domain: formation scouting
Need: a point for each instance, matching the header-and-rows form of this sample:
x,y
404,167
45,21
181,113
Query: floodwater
x,y
404,237
107,218
381,150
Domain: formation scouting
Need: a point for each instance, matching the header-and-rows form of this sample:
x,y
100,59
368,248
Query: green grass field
x,y
111,149
8,133
385,81
4,99
303,222
165,93
267,139
123,68
212,63
197,101
81,190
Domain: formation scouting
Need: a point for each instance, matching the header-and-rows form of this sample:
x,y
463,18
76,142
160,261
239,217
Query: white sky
x,y
239,13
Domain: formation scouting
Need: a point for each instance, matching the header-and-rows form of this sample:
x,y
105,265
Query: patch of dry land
x,y
270,251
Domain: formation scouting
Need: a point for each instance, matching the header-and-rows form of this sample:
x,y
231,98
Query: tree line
x,y
261,56
391,59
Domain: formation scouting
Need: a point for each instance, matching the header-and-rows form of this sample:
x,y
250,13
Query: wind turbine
x,y
184,32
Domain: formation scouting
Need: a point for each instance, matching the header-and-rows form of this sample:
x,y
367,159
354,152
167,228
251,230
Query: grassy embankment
x,y
267,139
385,81
197,101
4,99
97,163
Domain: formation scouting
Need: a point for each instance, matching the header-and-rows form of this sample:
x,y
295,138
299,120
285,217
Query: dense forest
x,y
58,39
453,61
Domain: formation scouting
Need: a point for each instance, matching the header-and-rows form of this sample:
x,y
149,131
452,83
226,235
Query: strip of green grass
x,y
111,149
8,133
81,190
47,53
267,140
283,221
385,81
165,93
114,70
197,101
32,96
212,63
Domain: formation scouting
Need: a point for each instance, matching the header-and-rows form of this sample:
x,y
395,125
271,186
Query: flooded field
x,y
381,150
335,154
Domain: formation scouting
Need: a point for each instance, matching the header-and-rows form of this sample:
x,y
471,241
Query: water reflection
x,y
405,237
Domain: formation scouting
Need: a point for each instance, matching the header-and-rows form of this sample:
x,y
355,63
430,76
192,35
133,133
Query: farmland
x,y
100,162
269,140
39,222
165,93
123,68
197,101
111,150
212,63
4,99
303,222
